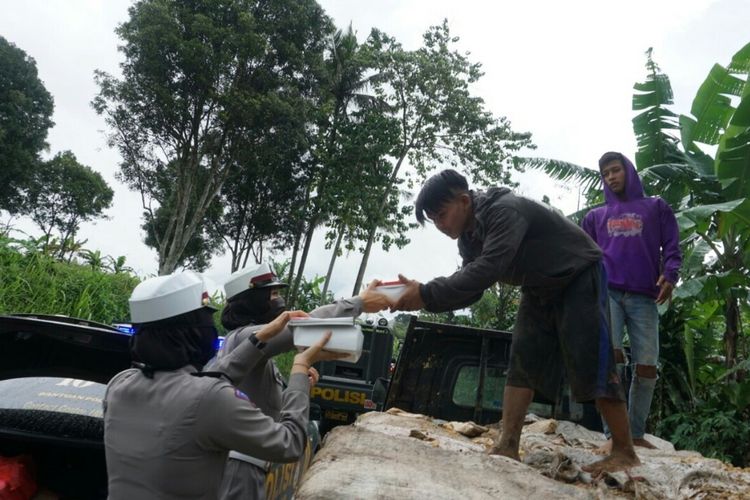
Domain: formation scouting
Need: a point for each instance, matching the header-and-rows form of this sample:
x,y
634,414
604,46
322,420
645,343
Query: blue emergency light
x,y
128,329
125,328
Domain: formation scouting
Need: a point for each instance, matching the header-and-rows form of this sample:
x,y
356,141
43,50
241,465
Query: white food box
x,y
392,289
346,335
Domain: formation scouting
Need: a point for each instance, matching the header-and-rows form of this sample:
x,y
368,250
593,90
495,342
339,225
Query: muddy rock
x,y
402,455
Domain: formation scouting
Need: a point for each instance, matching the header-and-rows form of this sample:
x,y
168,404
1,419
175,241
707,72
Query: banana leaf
x,y
694,258
699,217
712,107
655,146
655,91
733,155
563,171
673,181
741,61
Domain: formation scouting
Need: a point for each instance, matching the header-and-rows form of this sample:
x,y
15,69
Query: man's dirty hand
x,y
665,290
411,299
372,300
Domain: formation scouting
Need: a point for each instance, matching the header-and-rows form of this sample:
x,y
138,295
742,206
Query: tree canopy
x,y
25,116
200,81
63,194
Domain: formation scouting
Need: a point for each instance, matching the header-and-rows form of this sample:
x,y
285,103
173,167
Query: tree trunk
x,y
184,223
238,246
374,229
288,295
258,256
303,259
333,261
365,258
731,333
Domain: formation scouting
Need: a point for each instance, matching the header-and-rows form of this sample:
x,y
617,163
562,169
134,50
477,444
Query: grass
x,y
33,282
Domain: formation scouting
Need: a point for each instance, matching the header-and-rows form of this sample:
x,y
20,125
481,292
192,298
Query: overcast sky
x,y
563,71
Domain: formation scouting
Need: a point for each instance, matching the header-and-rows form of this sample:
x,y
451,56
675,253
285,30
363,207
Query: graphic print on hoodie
x,y
638,235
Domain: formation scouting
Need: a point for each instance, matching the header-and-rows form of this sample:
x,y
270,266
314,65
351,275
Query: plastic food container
x,y
346,335
392,289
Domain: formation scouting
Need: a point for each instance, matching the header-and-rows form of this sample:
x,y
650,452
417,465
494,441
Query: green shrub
x,y
716,433
33,282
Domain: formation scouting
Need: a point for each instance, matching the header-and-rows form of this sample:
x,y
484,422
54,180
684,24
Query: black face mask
x,y
275,308
252,307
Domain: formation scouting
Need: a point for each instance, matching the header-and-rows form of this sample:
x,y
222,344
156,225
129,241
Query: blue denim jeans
x,y
638,314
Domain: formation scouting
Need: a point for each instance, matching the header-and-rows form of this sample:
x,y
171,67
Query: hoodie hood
x,y
482,199
633,186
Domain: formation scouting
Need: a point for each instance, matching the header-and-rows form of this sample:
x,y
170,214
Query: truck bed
x,y
408,456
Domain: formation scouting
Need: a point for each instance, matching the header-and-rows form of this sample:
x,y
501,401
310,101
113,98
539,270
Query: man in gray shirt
x,y
562,322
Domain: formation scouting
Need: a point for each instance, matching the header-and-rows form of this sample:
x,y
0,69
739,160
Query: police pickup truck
x,y
53,375
457,373
448,372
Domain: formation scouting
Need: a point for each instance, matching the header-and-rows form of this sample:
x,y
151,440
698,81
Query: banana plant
x,y
720,116
711,199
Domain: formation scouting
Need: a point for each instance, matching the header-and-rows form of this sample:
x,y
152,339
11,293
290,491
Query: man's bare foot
x,y
505,451
643,443
604,449
616,461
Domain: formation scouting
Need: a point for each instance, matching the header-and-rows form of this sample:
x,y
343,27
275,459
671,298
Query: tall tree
x,y
362,168
189,99
344,82
427,91
266,190
62,195
260,202
25,116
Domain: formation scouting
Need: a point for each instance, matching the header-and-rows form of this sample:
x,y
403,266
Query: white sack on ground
x,y
406,456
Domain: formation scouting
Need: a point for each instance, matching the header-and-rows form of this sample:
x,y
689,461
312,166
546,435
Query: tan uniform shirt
x,y
168,437
244,476
263,381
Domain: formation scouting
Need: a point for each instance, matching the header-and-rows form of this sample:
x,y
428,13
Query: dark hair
x,y
171,343
439,190
609,157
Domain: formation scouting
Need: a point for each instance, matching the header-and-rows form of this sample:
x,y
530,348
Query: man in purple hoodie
x,y
640,240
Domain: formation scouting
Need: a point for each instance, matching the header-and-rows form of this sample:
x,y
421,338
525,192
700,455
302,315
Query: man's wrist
x,y
423,293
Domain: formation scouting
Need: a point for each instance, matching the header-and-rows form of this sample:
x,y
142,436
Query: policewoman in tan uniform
x,y
168,426
253,301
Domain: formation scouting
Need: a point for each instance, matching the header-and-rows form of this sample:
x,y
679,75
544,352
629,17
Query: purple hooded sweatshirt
x,y
638,235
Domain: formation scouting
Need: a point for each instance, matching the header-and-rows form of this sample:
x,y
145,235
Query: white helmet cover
x,y
245,279
166,296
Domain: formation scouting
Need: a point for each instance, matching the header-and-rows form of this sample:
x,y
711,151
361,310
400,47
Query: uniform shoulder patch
x,y
241,395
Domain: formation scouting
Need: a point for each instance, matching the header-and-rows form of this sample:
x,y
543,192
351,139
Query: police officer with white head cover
x,y
253,300
167,426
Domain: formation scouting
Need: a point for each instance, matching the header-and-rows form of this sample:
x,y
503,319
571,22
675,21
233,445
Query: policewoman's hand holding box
x,y
346,335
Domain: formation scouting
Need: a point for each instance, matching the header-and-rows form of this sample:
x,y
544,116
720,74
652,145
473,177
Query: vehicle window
x,y
51,406
467,382
60,395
